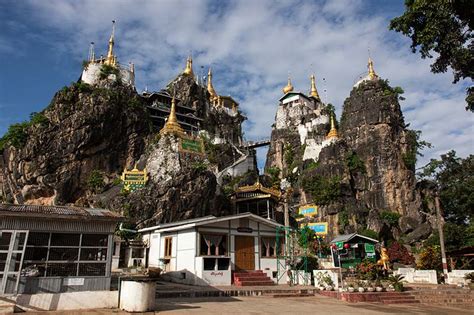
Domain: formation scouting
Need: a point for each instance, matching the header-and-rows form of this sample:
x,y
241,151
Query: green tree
x,y
442,28
454,178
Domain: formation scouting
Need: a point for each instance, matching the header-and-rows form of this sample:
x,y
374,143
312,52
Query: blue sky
x,y
250,44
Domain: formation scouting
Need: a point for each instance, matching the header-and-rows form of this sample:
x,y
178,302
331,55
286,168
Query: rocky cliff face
x,y
363,180
82,130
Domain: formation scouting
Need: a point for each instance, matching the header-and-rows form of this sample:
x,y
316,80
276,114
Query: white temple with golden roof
x,y
94,67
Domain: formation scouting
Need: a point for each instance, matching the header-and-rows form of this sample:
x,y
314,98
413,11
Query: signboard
x,y
73,281
320,228
134,179
242,229
191,145
308,210
340,245
369,248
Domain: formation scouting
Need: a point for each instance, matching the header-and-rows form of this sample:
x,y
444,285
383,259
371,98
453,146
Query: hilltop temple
x,y
108,66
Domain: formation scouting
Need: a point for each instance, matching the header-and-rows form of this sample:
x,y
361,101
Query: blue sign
x,y
320,228
308,211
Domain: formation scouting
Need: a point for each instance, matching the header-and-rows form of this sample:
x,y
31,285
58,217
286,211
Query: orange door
x,y
244,253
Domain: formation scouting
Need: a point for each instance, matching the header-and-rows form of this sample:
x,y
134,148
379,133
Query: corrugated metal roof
x,y
54,211
348,237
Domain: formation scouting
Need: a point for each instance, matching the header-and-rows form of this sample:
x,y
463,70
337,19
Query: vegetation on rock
x,y
323,190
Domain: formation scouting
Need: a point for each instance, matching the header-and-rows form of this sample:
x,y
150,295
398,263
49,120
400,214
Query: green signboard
x,y
191,146
340,245
369,248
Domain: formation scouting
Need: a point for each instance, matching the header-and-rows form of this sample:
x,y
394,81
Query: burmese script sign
x,y
190,145
134,179
320,228
308,210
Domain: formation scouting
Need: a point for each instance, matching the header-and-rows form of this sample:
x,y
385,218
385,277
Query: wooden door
x,y
244,253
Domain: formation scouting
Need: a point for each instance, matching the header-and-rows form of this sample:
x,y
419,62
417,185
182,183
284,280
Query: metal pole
x,y
441,238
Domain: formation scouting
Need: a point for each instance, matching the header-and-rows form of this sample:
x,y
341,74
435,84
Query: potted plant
x,y
319,280
370,287
469,279
397,282
378,285
328,281
360,286
350,287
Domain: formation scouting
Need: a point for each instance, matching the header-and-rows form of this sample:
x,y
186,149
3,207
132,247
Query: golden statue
x,y
189,67
372,74
384,259
172,126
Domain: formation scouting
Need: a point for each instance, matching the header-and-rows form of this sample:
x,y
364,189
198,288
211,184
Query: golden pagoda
x,y
189,67
172,126
333,132
210,88
111,59
372,74
289,87
313,92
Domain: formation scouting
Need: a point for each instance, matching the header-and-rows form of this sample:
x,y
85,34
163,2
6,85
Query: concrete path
x,y
267,305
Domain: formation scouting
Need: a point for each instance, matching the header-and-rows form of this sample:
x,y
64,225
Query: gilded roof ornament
x,y
313,92
372,74
111,59
289,87
189,67
258,186
172,126
333,132
210,88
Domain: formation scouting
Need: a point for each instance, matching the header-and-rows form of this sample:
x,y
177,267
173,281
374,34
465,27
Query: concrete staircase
x,y
252,278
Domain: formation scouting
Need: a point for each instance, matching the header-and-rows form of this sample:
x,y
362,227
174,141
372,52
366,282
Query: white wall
x,y
154,252
186,250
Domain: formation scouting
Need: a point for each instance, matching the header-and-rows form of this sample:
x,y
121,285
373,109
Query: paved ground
x,y
268,305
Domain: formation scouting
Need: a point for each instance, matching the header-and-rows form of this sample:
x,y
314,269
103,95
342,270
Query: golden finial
x,y
111,59
210,88
333,132
372,74
288,87
314,91
172,126
189,67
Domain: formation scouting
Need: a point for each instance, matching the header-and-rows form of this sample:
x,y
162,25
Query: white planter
x,y
350,289
321,288
370,289
361,289
379,289
137,296
329,288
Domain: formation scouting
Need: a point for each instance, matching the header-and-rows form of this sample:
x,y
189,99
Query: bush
x,y
354,163
274,173
95,182
399,253
369,233
15,136
390,217
323,190
199,166
429,259
38,119
367,270
397,282
106,70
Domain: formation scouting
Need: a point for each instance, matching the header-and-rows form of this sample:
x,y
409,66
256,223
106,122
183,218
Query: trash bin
x,y
137,295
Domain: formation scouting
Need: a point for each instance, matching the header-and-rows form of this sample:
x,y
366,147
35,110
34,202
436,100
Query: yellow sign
x,y
134,179
320,228
308,210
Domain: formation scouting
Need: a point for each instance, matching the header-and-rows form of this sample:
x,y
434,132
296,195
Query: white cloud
x,y
253,44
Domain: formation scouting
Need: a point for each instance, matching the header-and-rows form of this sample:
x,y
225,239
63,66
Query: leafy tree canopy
x,y
454,177
442,28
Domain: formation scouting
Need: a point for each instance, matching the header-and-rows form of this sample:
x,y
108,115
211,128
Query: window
x,y
168,246
213,245
65,254
268,246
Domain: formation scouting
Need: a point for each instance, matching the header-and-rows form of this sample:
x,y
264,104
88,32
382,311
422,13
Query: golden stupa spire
x,y
288,87
210,88
110,60
314,91
333,132
172,126
189,67
372,74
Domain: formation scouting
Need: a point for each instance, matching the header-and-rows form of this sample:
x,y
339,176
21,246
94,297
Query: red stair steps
x,y
252,278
